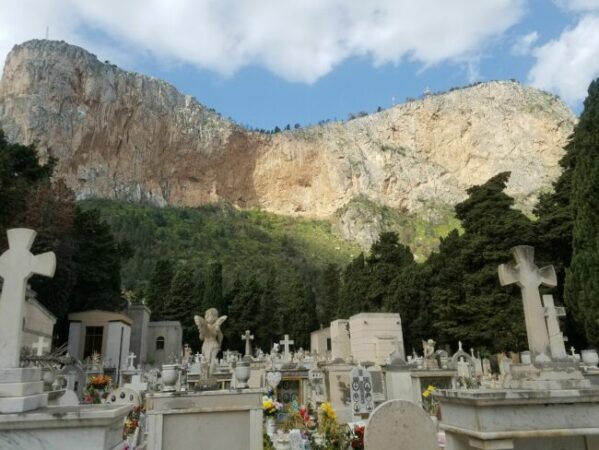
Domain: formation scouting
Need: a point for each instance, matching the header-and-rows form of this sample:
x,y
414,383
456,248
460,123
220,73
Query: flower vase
x,y
590,358
271,427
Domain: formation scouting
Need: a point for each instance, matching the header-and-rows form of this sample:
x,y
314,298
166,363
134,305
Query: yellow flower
x,y
328,411
267,404
426,393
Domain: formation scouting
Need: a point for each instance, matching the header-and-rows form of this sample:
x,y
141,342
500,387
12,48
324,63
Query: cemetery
x,y
354,388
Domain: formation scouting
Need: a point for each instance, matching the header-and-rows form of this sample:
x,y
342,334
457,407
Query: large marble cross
x,y
248,338
286,343
529,277
131,359
17,265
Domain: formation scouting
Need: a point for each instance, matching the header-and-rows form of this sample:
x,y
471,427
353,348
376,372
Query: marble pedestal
x,y
93,427
520,419
21,390
229,419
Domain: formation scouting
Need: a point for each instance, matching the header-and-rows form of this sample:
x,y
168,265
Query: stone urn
x,y
525,358
242,374
48,377
590,357
170,376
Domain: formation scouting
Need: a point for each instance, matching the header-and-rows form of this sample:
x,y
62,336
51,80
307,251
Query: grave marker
x,y
362,400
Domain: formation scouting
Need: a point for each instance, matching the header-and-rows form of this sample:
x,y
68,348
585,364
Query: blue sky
x,y
266,63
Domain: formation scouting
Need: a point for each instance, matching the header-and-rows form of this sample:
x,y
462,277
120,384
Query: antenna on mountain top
x,y
47,32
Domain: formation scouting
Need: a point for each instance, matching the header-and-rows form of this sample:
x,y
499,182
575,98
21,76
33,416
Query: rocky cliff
x,y
124,135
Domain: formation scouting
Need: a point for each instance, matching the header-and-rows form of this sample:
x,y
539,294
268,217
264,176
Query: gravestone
x,y
400,424
362,400
286,343
21,389
40,346
529,277
556,337
248,338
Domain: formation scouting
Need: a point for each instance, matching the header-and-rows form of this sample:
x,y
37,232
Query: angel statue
x,y
210,333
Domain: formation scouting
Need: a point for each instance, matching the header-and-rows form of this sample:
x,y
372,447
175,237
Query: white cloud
x,y
300,40
569,63
523,46
579,5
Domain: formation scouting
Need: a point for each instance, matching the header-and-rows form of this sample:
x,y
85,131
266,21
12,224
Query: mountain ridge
x,y
127,136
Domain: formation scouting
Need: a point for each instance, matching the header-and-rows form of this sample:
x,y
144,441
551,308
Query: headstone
x,y
131,359
400,424
124,395
362,400
556,337
248,338
317,386
286,343
136,384
529,277
21,389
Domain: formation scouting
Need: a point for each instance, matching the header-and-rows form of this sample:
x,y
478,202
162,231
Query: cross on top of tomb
x,y
286,343
40,346
529,277
17,265
131,359
248,337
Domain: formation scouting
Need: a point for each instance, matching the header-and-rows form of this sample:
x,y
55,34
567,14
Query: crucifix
x,y
556,337
17,265
40,346
248,337
286,343
529,277
131,359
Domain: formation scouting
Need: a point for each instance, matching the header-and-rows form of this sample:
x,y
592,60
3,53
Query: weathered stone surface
x,y
124,135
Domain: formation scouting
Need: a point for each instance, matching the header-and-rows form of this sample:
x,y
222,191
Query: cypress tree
x,y
354,289
582,277
180,304
159,288
213,292
329,295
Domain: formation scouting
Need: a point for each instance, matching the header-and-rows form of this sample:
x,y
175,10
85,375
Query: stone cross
x,y
248,337
286,343
556,337
40,346
131,359
17,265
529,277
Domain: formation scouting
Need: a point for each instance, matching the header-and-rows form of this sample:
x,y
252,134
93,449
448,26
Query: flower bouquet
x,y
270,407
99,381
430,405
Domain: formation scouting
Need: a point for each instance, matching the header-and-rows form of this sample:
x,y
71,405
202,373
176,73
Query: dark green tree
x,y
244,312
181,304
354,288
97,261
300,313
213,292
159,288
387,257
270,324
582,277
330,287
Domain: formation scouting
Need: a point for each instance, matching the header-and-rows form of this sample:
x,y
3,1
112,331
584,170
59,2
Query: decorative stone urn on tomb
x,y
590,357
170,375
242,374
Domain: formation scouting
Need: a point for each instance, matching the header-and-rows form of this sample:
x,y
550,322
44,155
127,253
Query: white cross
x,y
40,346
529,277
556,338
17,265
131,359
286,342
248,337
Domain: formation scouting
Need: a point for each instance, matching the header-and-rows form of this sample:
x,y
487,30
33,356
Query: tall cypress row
x,y
582,277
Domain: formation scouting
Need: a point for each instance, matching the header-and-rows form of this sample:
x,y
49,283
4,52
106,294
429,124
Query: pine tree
x,y
159,288
582,277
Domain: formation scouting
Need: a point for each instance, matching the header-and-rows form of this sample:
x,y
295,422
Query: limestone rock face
x,y
123,135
